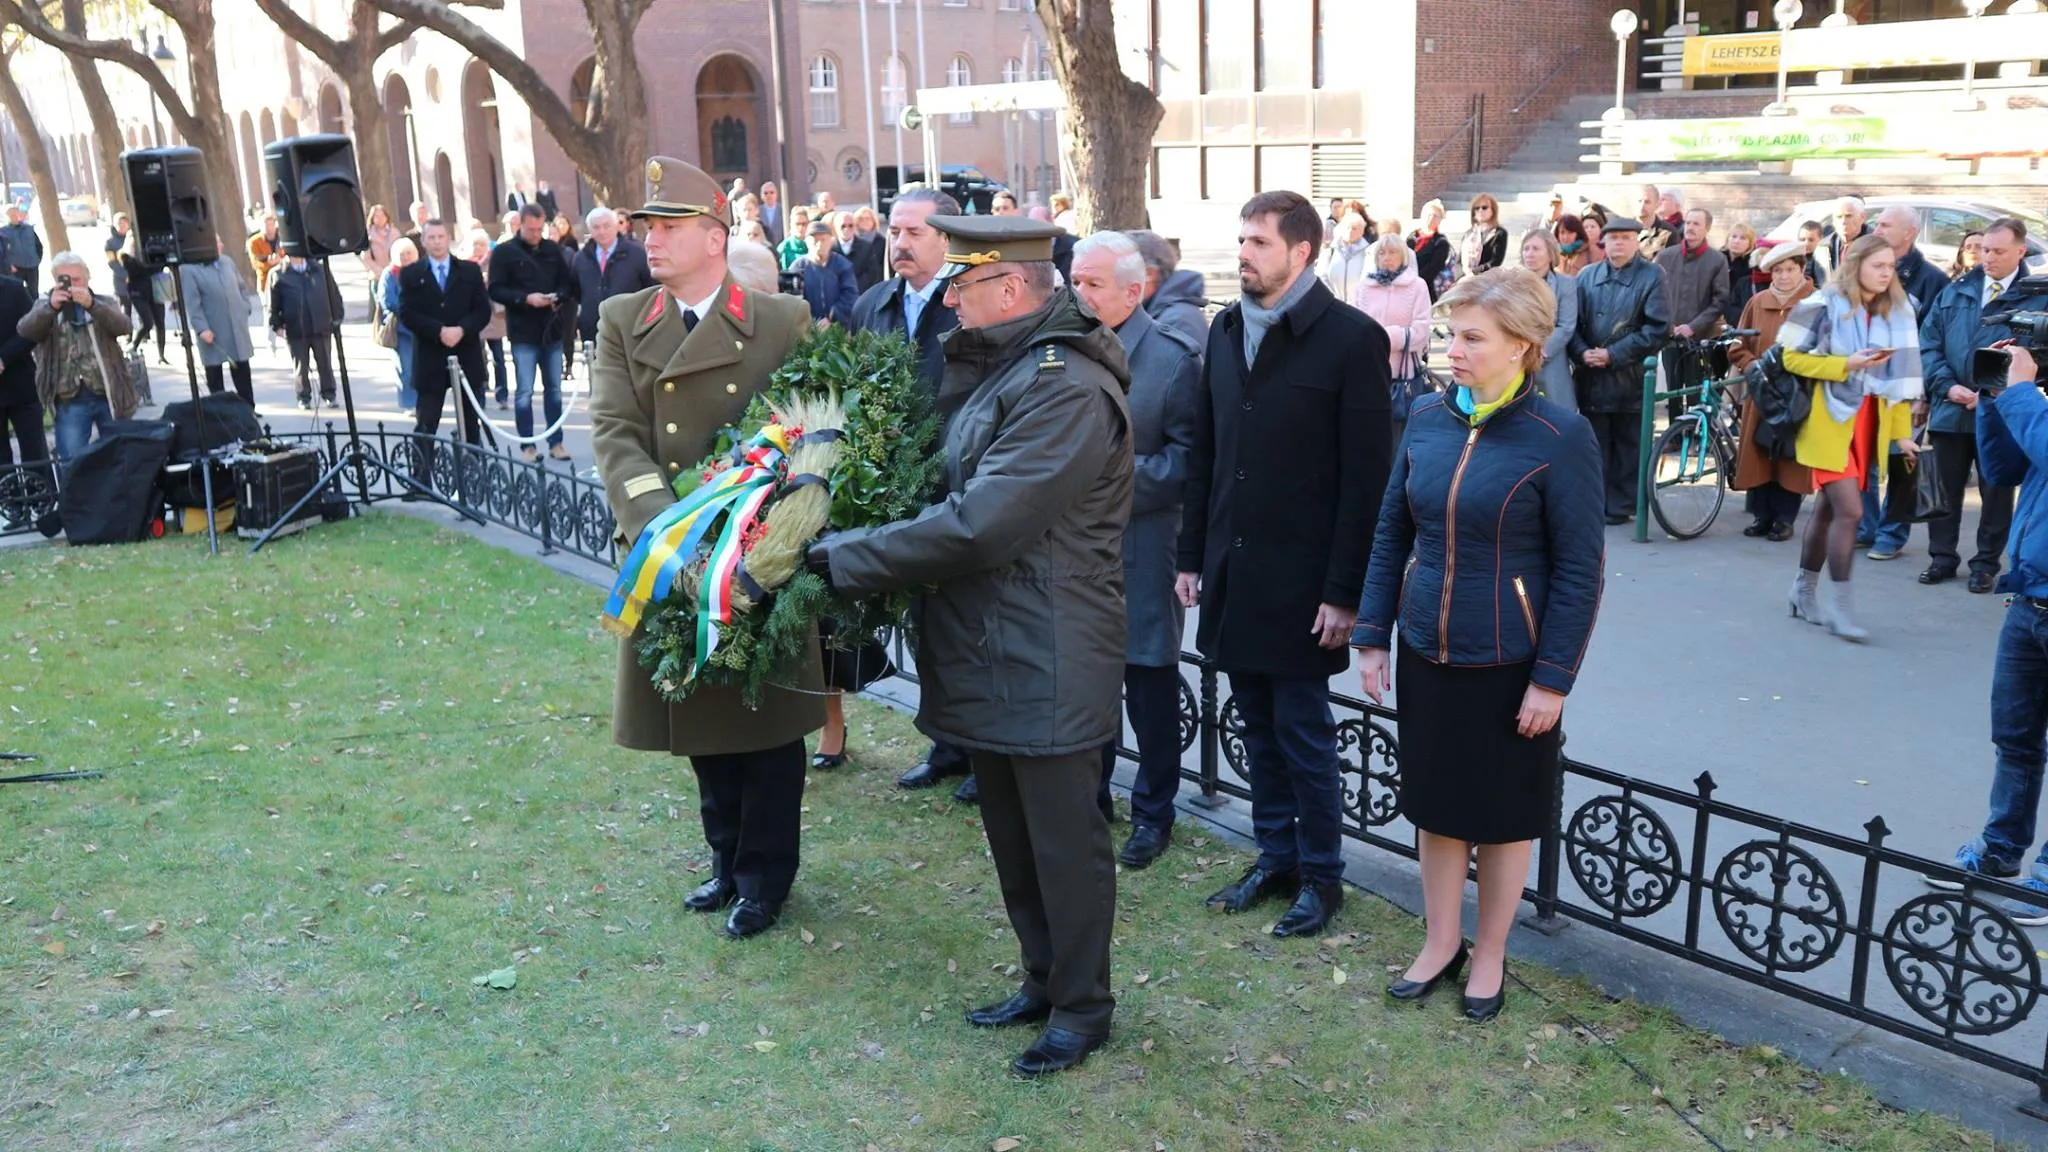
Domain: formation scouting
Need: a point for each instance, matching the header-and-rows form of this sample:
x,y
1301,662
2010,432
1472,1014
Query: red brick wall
x,y
1696,105
1501,52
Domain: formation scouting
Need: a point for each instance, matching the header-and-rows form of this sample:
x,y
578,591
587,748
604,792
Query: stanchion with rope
x,y
570,388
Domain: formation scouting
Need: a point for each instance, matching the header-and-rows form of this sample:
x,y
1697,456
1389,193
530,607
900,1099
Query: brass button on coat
x,y
674,467
671,428
732,389
668,385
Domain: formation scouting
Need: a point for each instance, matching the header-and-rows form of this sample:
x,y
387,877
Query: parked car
x,y
1943,224
964,182
79,212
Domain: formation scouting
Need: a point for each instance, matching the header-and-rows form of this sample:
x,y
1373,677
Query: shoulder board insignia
x,y
654,310
1051,359
736,302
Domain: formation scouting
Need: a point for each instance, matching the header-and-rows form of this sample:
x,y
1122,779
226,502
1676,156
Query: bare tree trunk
x,y
354,60
1107,125
106,126
208,130
56,237
610,149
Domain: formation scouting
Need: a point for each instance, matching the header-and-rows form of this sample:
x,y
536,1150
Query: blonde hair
x,y
1518,300
1549,243
1848,278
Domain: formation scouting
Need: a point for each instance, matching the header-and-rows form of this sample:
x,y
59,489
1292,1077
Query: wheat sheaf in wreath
x,y
843,439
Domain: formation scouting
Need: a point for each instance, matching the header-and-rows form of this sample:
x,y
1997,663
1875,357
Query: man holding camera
x,y
1971,314
530,277
81,373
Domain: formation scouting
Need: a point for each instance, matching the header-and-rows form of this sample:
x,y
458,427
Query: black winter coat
x,y
299,308
518,271
1512,570
625,271
1289,461
880,309
1621,310
17,352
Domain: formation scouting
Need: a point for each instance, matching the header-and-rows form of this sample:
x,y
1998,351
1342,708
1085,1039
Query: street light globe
x,y
1623,23
1976,7
1788,12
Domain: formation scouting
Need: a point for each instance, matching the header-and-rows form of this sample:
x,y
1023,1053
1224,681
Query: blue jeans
x,y
497,348
548,357
2019,733
1876,526
408,399
76,418
1290,741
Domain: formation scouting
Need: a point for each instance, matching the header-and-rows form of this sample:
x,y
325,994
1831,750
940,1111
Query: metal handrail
x,y
1545,82
1472,122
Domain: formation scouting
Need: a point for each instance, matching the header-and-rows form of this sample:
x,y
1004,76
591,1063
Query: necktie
x,y
603,257
1996,290
689,320
441,276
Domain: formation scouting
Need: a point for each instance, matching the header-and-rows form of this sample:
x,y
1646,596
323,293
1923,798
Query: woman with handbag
x,y
1540,255
493,334
1392,292
1859,341
1488,559
390,333
1775,487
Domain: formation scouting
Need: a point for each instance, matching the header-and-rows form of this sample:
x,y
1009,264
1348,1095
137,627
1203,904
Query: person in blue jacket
x,y
829,285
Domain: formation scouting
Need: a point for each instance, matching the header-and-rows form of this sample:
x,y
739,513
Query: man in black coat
x,y
305,305
1622,323
443,303
19,408
612,264
912,305
1293,443
530,277
867,254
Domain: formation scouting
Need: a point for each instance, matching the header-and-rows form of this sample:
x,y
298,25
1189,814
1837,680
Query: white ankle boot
x,y
1839,608
1804,599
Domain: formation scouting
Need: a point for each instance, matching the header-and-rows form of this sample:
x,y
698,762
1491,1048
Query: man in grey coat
x,y
1022,633
1173,295
219,317
1166,374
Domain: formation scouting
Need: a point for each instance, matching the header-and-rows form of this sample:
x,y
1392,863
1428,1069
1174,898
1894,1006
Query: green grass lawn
x,y
349,775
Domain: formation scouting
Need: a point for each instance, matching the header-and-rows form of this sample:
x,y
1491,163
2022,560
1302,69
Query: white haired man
x,y
612,264
81,373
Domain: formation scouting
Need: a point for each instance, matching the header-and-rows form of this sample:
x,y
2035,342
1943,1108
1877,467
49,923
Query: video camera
x,y
2029,330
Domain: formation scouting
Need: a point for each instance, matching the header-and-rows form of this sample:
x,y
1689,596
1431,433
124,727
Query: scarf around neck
x,y
1829,324
1257,318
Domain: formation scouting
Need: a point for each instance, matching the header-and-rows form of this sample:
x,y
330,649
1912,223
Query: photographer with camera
x,y
81,373
1970,314
2012,433
530,276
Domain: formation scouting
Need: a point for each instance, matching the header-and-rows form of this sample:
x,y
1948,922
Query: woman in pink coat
x,y
1393,294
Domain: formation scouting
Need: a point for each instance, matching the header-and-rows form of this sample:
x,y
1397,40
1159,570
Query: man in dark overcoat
x,y
443,303
676,363
1293,443
1622,323
1166,375
1022,634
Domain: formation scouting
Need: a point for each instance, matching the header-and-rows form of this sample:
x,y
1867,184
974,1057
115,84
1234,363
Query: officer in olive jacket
x,y
1023,632
675,363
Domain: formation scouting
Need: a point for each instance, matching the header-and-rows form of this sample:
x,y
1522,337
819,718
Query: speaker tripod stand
x,y
353,456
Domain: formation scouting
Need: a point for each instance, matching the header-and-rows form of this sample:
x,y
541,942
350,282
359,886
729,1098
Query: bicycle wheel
x,y
1690,478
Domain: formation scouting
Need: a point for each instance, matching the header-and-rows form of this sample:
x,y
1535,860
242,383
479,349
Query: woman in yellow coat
x,y
1859,342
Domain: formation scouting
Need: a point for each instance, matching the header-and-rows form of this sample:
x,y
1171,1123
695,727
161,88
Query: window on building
x,y
1285,57
1226,46
895,89
824,92
1177,65
1013,71
1340,32
1044,66
1011,6
959,74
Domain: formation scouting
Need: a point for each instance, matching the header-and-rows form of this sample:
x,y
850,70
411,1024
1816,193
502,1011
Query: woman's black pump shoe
x,y
1412,990
1480,1011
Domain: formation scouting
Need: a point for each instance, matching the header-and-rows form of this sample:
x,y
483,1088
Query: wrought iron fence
x,y
28,492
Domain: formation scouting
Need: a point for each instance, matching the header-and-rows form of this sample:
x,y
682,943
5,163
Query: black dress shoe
x,y
922,776
1255,885
711,895
1018,1009
968,792
1760,528
1981,582
1145,845
1779,533
823,763
1405,989
1313,907
1936,573
751,918
1055,1050
1479,1010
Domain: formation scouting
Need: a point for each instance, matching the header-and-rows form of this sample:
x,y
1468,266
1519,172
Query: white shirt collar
x,y
2004,285
701,308
926,293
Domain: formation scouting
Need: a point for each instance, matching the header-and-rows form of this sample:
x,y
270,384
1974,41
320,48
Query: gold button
x,y
674,467
738,347
668,385
671,428
732,389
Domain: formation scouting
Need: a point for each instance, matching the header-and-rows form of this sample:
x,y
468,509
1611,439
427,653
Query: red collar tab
x,y
654,309
736,303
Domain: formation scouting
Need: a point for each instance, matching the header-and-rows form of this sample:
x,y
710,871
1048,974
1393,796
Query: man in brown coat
x,y
675,363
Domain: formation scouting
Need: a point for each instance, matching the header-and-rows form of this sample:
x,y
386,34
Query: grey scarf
x,y
1258,319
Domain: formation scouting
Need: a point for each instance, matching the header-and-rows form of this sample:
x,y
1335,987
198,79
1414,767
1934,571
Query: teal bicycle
x,y
1693,458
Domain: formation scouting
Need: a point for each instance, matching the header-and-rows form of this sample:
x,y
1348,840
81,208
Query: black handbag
x,y
1930,501
1413,384
1783,402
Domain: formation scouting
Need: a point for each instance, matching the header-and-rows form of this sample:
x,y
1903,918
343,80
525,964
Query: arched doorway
x,y
330,110
481,139
252,161
444,190
398,142
266,129
289,123
729,118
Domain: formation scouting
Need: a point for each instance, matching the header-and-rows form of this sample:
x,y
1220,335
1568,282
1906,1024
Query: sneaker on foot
x,y
1883,550
2031,912
1971,859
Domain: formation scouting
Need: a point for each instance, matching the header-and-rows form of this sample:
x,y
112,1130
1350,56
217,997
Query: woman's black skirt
x,y
1466,773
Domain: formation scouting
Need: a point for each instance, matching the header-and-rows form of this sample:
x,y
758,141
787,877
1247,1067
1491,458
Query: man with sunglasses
x,y
1021,636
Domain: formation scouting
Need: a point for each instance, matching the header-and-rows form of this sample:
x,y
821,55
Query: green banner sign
x,y
1761,138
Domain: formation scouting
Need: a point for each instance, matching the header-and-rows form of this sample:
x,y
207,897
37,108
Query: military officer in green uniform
x,y
1022,634
675,363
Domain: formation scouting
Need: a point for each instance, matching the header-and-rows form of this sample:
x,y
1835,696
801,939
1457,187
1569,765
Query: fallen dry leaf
x,y
765,1045
805,935
1338,975
1007,1144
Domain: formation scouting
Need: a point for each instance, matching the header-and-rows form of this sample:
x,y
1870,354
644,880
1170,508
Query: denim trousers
x,y
1884,487
548,358
2019,734
1290,743
76,418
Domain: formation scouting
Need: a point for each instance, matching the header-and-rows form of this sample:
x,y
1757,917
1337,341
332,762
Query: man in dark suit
x,y
1293,444
912,304
20,410
1166,373
868,254
443,303
772,219
612,264
545,197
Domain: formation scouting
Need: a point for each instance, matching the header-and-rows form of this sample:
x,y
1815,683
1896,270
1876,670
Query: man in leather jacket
x,y
1622,323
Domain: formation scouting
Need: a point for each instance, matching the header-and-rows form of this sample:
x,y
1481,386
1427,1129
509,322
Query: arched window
x,y
895,89
1013,70
1044,67
824,92
959,74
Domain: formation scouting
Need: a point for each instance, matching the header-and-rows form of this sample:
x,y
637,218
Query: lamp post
x,y
1969,102
163,57
1787,13
1623,25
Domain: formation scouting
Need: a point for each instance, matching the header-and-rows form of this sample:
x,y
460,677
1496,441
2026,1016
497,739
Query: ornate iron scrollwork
x,y
27,494
1230,737
1190,717
1374,797
1962,966
1779,906
1623,855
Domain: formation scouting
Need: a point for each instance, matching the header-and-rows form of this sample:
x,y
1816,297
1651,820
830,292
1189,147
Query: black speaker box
x,y
173,222
316,195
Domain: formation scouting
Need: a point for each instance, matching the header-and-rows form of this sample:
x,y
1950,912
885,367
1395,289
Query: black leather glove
x,y
818,559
